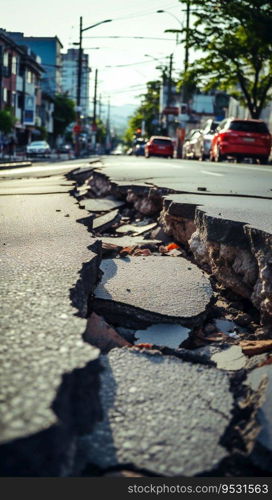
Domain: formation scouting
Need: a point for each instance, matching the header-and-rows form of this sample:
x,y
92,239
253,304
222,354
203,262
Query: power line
x,y
134,37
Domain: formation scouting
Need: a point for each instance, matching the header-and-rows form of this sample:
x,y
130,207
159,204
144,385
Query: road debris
x,y
253,347
100,334
231,358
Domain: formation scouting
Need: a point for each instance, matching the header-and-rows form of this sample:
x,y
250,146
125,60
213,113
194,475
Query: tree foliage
x,y
235,38
147,111
7,121
64,113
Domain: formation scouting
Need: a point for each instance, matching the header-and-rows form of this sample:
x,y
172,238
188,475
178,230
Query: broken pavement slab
x,y
138,428
133,228
101,204
140,291
260,379
127,241
106,221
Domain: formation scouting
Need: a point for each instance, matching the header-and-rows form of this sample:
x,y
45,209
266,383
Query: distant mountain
x,y
121,114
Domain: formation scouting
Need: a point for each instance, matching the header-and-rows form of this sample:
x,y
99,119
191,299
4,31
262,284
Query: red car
x,y
241,139
159,146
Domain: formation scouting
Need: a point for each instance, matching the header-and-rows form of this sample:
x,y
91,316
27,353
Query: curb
x,y
15,164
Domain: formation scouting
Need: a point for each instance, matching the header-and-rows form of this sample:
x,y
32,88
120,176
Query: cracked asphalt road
x,y
41,333
162,415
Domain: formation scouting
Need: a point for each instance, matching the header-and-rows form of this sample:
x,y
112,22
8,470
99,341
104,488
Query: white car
x,y
38,148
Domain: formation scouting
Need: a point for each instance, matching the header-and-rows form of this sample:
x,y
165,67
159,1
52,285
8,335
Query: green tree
x,y
7,121
64,113
147,111
235,38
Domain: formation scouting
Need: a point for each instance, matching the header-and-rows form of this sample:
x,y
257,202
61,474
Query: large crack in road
x,y
125,299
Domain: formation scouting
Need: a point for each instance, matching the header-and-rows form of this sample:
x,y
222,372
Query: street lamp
x,y
79,74
161,11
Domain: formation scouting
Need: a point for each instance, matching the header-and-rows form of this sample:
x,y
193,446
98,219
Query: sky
x,y
124,64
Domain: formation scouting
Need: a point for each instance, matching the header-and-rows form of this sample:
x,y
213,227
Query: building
x,y
49,50
20,91
69,78
236,110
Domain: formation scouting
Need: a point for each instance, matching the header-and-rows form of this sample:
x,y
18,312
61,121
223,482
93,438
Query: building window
x,y
13,99
14,65
29,77
6,59
5,94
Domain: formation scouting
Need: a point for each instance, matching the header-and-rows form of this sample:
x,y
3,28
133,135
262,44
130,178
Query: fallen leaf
x,y
144,345
128,250
171,246
142,251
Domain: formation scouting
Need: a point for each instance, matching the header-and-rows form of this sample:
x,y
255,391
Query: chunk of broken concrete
x,y
137,390
252,347
131,228
146,290
128,241
100,334
230,358
101,204
104,222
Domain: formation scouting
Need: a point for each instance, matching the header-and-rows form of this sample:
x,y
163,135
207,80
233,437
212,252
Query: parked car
x,y
38,148
197,143
203,146
159,146
241,139
189,145
65,148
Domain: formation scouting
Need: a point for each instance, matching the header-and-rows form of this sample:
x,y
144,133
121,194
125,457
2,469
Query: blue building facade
x,y
49,50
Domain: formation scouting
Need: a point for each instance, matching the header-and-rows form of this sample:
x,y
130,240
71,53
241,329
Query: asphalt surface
x,y
161,414
50,376
41,333
156,288
189,175
253,212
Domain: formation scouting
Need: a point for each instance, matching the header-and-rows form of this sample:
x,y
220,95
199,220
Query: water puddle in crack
x,y
228,327
163,335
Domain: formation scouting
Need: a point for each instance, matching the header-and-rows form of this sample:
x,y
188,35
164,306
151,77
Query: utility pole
x,y
78,99
181,135
186,60
79,77
108,136
100,107
94,109
169,83
169,91
95,97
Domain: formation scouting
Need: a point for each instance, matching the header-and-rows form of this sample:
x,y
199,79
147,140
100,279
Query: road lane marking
x,y
212,173
245,167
